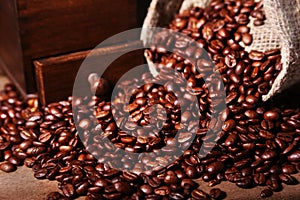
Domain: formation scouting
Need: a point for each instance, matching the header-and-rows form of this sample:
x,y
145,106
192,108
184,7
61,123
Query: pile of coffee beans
x,y
257,143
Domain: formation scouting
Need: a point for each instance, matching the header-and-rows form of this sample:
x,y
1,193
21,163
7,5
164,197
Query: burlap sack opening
x,y
281,30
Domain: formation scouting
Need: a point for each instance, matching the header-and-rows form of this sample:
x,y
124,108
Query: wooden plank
x,y
50,28
56,75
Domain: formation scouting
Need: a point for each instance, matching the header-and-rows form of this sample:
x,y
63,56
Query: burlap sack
x,y
281,30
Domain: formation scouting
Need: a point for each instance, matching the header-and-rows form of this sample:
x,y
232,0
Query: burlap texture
x,y
281,30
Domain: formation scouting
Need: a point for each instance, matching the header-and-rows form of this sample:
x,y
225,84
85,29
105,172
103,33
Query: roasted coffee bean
x,y
123,187
188,183
54,196
214,167
14,160
171,178
41,174
271,115
266,193
259,178
199,194
147,189
7,167
251,114
82,188
294,156
176,196
289,169
269,155
288,179
243,182
231,139
231,97
273,182
216,193
162,191
229,125
266,134
4,145
68,190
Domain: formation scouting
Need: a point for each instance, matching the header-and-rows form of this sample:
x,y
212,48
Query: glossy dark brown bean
x,y
269,155
266,193
247,38
15,160
259,178
231,97
41,174
54,196
231,139
266,134
7,167
256,55
229,125
271,115
289,169
273,182
214,167
251,114
294,156
68,190
288,179
123,187
199,194
4,145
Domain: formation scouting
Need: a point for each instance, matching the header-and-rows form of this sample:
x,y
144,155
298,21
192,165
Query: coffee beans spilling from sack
x,y
257,143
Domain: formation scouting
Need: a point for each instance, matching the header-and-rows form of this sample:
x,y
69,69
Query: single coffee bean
x,y
266,134
41,174
7,167
228,125
289,169
4,145
273,182
251,99
147,189
214,167
14,160
256,55
54,196
216,193
231,139
288,179
162,191
68,190
231,97
251,114
271,115
82,188
266,193
269,155
294,156
123,187
259,178
199,194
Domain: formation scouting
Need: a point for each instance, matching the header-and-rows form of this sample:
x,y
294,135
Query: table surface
x,y
22,185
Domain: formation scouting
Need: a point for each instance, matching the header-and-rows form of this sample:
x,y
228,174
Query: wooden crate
x,y
43,30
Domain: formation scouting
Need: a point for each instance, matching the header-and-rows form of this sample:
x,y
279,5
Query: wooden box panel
x,y
54,27
56,75
11,58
